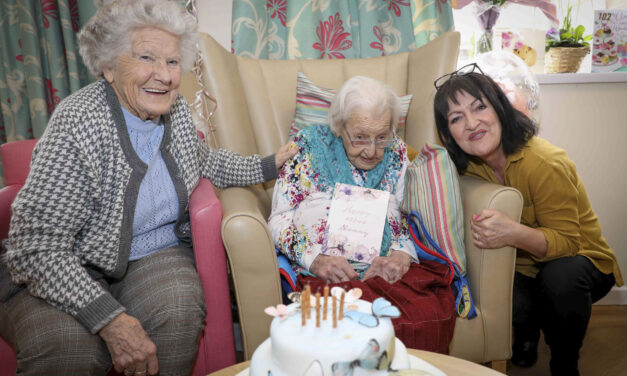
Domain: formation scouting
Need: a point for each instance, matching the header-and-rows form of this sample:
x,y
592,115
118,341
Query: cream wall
x,y
581,118
585,119
214,18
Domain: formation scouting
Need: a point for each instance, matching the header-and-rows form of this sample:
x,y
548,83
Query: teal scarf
x,y
328,159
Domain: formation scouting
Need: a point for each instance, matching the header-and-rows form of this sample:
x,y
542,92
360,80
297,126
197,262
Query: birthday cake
x,y
330,336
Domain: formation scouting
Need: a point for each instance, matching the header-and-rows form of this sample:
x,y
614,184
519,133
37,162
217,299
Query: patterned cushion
x,y
313,102
432,190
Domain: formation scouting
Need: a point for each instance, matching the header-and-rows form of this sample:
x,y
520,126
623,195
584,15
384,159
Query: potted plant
x,y
565,48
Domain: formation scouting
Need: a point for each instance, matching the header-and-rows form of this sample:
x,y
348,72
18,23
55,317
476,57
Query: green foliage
x,y
567,35
497,2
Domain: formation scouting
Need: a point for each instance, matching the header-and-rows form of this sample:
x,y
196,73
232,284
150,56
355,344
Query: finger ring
x,y
140,372
128,372
476,236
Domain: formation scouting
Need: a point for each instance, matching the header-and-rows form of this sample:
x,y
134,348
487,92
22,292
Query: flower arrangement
x,y
567,35
487,13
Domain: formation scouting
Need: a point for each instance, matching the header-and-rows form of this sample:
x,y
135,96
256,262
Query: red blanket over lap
x,y
423,296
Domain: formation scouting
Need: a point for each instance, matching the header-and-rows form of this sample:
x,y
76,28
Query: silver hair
x,y
361,93
108,33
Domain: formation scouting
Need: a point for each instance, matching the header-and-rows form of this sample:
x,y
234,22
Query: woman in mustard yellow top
x,y
563,262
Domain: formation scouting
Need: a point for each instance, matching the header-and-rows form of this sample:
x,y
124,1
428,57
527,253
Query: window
x,y
529,24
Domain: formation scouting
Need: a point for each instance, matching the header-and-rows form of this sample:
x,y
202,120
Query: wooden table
x,y
451,366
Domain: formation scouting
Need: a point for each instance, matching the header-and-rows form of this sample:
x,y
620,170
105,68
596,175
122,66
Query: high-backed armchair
x,y
216,349
256,102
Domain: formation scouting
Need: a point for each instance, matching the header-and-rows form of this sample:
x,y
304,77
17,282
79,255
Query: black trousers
x,y
559,302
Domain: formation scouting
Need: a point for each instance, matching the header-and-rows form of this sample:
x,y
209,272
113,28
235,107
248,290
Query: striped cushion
x,y
432,189
313,102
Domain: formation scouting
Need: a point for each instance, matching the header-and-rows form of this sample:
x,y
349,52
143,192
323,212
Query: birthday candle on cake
x,y
334,306
341,306
303,315
317,309
324,308
308,301
304,304
303,301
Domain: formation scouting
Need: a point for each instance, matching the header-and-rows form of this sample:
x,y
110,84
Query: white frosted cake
x,y
363,343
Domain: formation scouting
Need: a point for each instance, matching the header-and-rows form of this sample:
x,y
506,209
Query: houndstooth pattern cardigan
x,y
72,220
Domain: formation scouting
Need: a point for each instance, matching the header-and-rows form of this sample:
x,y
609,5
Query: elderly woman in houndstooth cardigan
x,y
100,234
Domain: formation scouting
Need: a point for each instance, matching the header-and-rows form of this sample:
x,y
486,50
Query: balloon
x,y
516,79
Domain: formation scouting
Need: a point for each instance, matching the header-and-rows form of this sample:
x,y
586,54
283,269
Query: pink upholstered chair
x,y
217,348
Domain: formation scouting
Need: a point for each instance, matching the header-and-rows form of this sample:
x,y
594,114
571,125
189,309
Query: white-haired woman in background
x,y
360,147
100,233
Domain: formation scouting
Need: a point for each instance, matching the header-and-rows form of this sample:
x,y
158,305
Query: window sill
x,y
581,78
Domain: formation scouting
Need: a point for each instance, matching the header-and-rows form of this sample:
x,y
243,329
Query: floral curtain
x,y
335,29
40,61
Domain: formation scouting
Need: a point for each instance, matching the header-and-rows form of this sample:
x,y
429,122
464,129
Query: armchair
x,y
256,104
216,349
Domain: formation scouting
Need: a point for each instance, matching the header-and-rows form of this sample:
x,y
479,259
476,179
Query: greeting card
x,y
513,42
356,221
609,46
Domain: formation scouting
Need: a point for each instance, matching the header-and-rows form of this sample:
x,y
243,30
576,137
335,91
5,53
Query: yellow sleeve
x,y
411,152
554,195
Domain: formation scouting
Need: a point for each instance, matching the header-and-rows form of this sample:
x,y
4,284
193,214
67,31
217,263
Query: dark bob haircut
x,y
516,127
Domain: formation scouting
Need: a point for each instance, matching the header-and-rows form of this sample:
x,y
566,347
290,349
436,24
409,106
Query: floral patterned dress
x,y
302,199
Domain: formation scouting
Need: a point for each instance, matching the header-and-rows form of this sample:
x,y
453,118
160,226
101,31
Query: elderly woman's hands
x,y
285,153
332,269
132,351
391,268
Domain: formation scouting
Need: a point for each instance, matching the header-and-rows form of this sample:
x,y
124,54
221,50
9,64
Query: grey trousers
x,y
161,290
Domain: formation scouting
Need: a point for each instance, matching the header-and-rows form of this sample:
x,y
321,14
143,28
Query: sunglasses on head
x,y
472,67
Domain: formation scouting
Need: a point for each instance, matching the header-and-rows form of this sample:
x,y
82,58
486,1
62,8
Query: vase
x,y
487,17
484,43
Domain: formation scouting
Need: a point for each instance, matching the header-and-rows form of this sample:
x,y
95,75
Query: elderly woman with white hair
x,y
99,250
360,147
